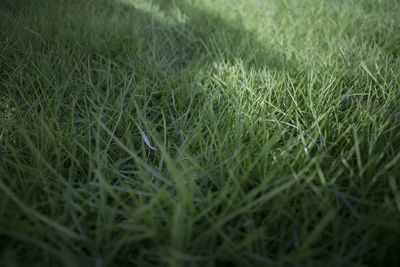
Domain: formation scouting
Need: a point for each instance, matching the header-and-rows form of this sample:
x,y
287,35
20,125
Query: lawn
x,y
200,133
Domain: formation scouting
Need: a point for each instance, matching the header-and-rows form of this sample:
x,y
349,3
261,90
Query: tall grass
x,y
200,133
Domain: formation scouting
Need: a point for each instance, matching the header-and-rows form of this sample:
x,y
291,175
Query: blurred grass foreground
x,y
200,133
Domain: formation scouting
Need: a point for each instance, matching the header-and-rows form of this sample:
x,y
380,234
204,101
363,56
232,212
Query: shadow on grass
x,y
178,37
161,41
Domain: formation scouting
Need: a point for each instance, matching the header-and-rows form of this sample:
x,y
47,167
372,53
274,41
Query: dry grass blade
x,y
146,140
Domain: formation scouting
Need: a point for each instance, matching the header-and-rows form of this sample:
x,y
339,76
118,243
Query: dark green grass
x,y
276,128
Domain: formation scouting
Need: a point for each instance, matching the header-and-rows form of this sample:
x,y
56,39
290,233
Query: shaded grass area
x,y
275,126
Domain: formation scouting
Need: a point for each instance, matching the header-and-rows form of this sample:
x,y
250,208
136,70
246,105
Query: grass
x,y
200,133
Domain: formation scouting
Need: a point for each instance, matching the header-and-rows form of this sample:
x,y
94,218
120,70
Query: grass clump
x,y
189,133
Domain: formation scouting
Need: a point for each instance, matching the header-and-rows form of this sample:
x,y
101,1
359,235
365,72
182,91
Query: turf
x,y
200,133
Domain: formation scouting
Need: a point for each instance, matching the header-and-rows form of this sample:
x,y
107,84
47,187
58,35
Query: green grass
x,y
275,127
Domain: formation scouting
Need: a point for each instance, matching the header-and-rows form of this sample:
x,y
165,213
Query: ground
x,y
200,133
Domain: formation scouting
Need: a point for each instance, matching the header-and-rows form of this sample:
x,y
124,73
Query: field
x,y
200,133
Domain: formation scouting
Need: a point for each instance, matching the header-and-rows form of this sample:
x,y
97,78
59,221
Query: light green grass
x,y
276,126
